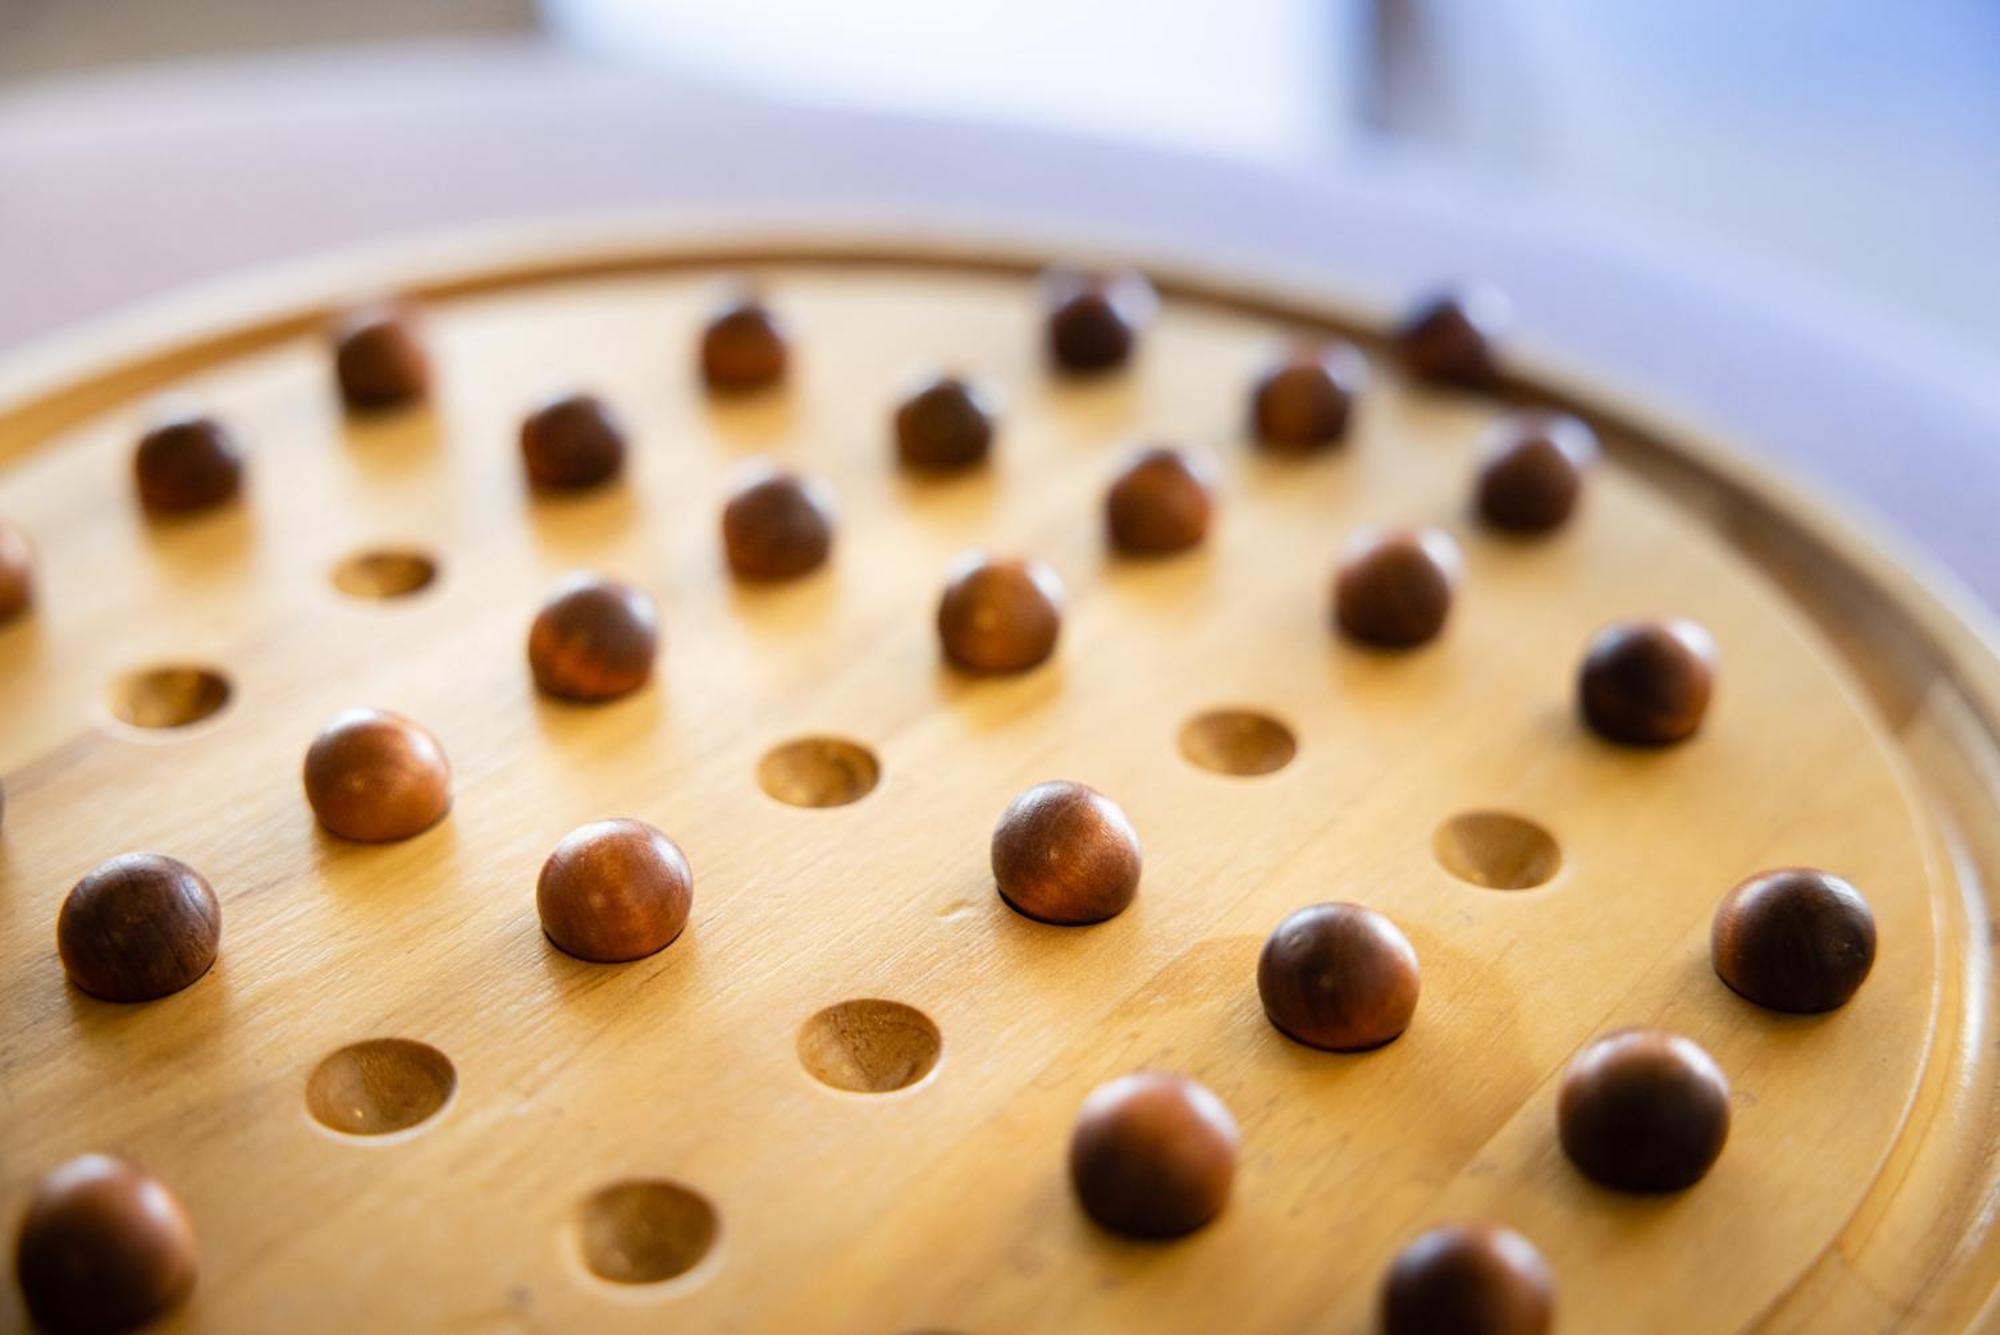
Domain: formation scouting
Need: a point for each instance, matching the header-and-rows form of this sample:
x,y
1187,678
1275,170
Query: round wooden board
x,y
1852,721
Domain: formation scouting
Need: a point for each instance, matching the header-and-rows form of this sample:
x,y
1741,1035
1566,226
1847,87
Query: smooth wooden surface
x,y
944,1204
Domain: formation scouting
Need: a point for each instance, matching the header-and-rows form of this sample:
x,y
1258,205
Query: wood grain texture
x,y
1846,733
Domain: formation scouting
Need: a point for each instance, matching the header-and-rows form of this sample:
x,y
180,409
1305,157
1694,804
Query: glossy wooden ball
x,y
944,425
1339,977
1647,683
1394,587
1643,1110
594,639
614,890
1532,472
17,572
571,442
1468,1279
1452,338
187,463
380,360
1153,1155
1095,319
1065,853
374,777
1794,939
999,616
1159,503
743,348
777,525
104,1246
1305,400
138,927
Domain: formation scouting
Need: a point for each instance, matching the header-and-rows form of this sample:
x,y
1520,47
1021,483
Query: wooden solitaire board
x,y
1854,729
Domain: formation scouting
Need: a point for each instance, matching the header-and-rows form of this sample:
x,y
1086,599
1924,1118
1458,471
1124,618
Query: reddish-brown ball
x,y
1160,503
571,442
999,616
1394,588
594,639
380,361
1306,399
1153,1155
1095,319
1643,1110
138,927
187,463
944,425
743,348
778,525
1338,976
17,572
1533,471
1795,939
1468,1279
1647,683
375,777
1065,853
614,890
104,1246
1452,338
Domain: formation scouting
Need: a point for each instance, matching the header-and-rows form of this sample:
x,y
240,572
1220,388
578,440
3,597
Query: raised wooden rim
x,y
1923,1243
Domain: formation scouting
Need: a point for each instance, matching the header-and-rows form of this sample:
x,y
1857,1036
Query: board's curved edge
x,y
1924,1248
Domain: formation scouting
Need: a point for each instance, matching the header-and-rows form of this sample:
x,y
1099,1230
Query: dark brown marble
x,y
188,462
1340,977
944,425
1532,471
777,525
1469,1279
595,639
1064,853
1643,1110
614,890
380,360
375,777
999,616
1647,683
1394,588
104,1246
1794,939
1153,1156
138,927
1159,503
571,442
1305,400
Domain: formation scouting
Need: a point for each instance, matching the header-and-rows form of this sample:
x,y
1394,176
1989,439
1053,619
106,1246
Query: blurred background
x,y
1797,170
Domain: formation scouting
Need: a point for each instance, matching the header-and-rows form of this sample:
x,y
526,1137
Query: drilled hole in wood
x,y
819,772
384,573
168,697
870,1046
645,1231
1497,850
1239,742
380,1086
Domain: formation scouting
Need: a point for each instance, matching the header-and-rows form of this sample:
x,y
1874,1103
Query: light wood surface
x,y
1847,733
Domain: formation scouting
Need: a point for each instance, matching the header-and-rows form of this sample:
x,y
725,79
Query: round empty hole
x,y
819,772
168,697
380,1086
1238,741
1497,850
869,1046
645,1231
385,573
